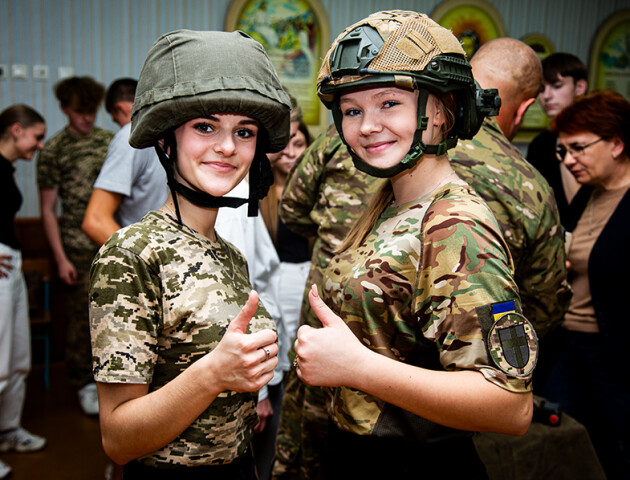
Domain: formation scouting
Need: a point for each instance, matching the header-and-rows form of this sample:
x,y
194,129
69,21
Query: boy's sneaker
x,y
21,441
88,398
5,470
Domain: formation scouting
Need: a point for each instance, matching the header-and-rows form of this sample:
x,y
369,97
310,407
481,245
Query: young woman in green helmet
x,y
423,340
180,344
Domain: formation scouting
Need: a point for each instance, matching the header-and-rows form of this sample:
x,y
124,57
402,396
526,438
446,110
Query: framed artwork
x,y
609,63
473,22
535,120
296,36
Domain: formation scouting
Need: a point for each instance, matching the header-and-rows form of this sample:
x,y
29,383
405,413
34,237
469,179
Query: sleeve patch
x,y
513,345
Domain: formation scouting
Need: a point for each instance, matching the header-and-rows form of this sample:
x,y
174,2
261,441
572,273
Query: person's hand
x,y
67,272
265,412
5,265
327,356
244,362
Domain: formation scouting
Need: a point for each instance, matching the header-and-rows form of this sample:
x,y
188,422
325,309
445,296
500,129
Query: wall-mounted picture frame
x,y
535,120
296,36
473,22
609,61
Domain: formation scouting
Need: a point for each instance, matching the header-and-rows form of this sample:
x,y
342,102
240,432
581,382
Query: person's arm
x,y
98,222
48,202
333,356
135,423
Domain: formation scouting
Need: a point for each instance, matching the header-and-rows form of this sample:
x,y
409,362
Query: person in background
x,y
131,182
410,306
564,78
181,344
22,132
66,170
324,196
295,259
519,196
589,378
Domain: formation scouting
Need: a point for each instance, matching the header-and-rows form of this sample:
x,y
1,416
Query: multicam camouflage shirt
x,y
70,165
524,205
161,297
421,289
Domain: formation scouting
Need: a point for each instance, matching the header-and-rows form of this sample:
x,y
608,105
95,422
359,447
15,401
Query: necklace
x,y
212,252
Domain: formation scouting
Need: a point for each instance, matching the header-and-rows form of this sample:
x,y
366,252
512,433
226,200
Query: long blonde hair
x,y
383,197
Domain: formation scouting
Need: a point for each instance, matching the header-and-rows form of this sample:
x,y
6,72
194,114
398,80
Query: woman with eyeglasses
x,y
590,376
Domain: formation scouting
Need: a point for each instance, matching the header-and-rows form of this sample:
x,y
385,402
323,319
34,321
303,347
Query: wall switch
x,y
40,72
19,70
3,71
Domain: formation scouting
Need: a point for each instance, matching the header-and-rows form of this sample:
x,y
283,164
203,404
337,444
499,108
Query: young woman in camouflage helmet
x,y
180,349
423,340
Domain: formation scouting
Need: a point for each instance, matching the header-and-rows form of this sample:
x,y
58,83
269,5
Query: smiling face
x,y
29,139
560,94
594,165
379,123
80,123
282,162
214,154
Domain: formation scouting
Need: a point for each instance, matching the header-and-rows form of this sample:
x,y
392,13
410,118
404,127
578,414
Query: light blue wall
x,y
108,39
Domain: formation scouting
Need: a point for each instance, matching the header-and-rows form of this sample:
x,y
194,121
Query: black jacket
x,y
609,274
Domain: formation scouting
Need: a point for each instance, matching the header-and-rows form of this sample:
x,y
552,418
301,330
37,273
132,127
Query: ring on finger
x,y
267,352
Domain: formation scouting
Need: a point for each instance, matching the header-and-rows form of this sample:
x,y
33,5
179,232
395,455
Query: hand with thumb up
x,y
244,362
327,356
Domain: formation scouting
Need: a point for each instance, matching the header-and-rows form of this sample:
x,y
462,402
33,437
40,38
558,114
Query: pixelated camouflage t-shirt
x,y
162,297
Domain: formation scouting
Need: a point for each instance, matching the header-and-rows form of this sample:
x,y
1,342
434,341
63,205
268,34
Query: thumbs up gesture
x,y
244,362
327,356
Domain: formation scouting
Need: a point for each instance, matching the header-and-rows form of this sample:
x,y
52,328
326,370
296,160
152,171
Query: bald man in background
x,y
519,196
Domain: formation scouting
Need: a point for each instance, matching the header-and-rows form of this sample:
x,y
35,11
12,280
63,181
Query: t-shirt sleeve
x,y
465,272
125,313
48,172
117,173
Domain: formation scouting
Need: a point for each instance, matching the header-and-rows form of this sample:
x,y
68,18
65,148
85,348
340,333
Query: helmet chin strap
x,y
261,179
414,155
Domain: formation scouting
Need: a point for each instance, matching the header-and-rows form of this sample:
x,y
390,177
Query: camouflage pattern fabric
x,y
524,205
70,165
418,279
161,298
324,195
76,300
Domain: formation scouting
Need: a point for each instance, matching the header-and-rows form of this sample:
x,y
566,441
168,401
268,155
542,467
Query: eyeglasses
x,y
574,150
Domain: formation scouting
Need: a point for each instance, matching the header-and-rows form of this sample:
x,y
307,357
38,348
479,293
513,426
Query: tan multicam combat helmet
x,y
407,50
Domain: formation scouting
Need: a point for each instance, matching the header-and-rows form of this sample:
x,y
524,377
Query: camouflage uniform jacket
x,y
420,289
525,208
70,165
161,297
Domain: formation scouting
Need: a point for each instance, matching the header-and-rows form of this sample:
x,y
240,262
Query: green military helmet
x,y
189,74
407,50
194,74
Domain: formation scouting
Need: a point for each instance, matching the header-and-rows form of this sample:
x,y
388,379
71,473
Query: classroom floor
x,y
74,449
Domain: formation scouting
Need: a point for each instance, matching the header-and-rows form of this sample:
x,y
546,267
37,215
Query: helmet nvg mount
x,y
194,74
407,50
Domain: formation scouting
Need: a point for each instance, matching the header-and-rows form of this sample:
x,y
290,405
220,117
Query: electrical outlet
x,y
40,72
19,70
3,71
65,72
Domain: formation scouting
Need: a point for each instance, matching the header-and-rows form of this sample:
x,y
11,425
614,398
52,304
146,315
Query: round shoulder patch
x,y
513,345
